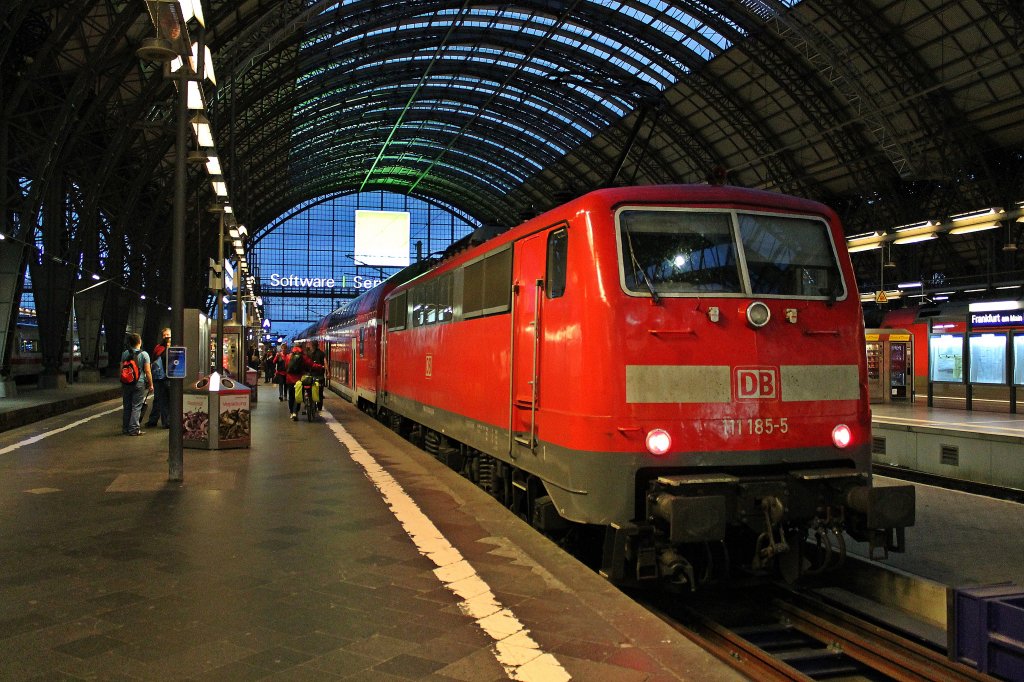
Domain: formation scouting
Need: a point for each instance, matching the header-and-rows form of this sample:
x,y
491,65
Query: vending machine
x,y
899,359
876,387
890,365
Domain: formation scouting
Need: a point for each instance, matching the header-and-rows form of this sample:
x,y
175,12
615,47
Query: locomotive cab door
x,y
527,296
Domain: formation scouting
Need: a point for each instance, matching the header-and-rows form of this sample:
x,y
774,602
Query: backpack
x,y
295,364
130,368
158,367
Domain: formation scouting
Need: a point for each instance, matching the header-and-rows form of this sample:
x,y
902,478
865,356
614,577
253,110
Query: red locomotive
x,y
682,367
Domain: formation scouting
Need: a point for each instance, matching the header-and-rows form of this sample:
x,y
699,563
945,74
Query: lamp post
x,y
175,447
171,43
220,300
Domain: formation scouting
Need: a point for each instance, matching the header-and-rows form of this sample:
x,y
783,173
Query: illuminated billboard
x,y
382,238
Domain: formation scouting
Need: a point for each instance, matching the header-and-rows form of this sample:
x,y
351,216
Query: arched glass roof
x,y
892,111
425,96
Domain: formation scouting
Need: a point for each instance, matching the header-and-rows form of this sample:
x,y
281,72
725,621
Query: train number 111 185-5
x,y
757,427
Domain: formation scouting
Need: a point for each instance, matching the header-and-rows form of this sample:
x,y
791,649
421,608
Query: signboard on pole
x,y
176,362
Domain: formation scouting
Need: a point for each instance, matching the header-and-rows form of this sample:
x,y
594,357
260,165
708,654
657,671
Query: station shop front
x,y
970,356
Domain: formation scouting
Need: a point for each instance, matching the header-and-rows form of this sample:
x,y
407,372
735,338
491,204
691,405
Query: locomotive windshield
x,y
678,252
671,251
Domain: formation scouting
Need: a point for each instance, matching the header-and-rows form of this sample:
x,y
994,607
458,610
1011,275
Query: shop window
x,y
946,357
988,358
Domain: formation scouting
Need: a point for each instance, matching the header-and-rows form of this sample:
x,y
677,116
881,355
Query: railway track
x,y
795,637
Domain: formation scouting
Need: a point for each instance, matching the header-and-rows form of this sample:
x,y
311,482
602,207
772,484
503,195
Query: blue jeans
x,y
132,397
161,403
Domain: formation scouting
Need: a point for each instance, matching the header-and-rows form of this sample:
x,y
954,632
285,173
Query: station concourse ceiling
x,y
893,112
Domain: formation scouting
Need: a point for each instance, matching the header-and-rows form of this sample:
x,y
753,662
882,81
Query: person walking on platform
x,y
280,370
161,384
298,364
268,365
136,383
318,357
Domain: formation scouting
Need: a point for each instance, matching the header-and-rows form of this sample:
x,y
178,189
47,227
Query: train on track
x,y
27,358
675,372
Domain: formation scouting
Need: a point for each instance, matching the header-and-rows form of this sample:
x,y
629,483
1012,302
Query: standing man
x,y
161,384
318,357
134,393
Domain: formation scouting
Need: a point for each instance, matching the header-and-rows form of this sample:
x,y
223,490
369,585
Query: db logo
x,y
757,383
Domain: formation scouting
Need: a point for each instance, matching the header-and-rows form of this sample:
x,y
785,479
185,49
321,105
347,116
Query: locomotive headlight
x,y
842,436
758,314
658,442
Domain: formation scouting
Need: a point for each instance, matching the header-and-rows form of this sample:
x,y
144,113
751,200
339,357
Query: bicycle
x,y
310,395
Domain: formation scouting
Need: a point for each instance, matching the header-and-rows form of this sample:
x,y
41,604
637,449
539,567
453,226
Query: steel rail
x,y
874,646
726,645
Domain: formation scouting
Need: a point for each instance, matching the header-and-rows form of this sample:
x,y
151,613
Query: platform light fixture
x,y
908,285
168,41
914,238
866,241
193,59
966,229
213,165
192,9
994,306
202,130
987,215
195,96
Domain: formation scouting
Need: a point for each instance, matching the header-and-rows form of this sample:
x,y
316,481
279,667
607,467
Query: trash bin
x,y
252,380
223,398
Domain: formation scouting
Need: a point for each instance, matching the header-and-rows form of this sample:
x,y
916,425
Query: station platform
x,y
328,550
972,446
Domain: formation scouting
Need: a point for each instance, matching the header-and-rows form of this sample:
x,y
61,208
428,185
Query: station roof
x,y
893,112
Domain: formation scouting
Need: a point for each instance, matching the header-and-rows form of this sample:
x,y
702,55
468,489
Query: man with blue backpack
x,y
136,383
161,384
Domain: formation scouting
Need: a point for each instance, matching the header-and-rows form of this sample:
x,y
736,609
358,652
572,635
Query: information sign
x,y
176,362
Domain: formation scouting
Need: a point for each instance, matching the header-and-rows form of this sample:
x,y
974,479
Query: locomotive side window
x,y
487,285
398,312
558,257
432,301
673,251
789,256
